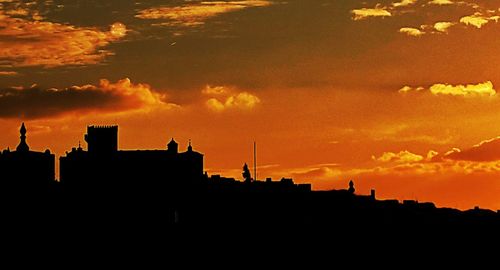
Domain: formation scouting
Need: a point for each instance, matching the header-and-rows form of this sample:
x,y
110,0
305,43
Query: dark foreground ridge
x,y
104,189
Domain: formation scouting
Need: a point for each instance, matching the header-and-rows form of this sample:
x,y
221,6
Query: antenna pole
x,y
255,160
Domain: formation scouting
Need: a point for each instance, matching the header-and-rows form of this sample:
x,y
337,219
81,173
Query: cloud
x,y
40,43
431,154
405,89
478,20
225,98
197,13
443,26
473,160
35,102
480,89
404,3
411,31
8,73
484,155
487,150
441,2
214,90
363,13
401,157
243,100
440,27
432,10
478,159
215,105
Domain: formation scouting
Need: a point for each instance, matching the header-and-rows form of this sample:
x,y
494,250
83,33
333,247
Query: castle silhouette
x,y
162,188
115,170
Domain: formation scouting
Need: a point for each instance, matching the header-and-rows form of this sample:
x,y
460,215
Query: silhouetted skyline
x,y
400,96
170,188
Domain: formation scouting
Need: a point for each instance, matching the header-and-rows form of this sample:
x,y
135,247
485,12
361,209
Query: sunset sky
x,y
399,96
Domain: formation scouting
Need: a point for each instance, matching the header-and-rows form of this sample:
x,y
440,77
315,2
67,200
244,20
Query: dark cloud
x,y
488,150
36,102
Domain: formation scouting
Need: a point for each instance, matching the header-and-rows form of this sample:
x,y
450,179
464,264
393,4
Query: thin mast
x,y
255,160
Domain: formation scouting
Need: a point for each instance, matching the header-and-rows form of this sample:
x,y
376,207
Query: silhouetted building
x,y
26,170
102,140
105,168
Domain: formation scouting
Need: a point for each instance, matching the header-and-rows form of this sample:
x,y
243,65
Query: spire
x,y
23,146
23,130
190,148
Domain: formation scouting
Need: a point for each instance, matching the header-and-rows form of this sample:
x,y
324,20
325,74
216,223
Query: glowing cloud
x,y
401,157
440,2
404,3
214,90
242,100
481,89
197,13
443,26
136,95
430,155
363,13
482,16
476,20
108,97
406,89
227,100
411,31
48,44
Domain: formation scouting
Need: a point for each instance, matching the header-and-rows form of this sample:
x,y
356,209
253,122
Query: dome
x,y
172,142
172,146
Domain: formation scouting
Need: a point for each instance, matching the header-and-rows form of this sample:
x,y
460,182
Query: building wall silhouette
x,y
105,168
25,170
102,139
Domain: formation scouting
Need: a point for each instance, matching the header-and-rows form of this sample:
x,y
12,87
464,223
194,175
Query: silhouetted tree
x,y
246,174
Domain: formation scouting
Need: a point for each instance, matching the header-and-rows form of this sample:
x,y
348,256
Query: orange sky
x,y
398,96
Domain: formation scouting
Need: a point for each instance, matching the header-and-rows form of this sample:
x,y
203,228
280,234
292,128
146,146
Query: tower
x,y
102,139
173,147
23,146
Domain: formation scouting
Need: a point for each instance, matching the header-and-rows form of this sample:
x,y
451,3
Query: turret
x,y
23,146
